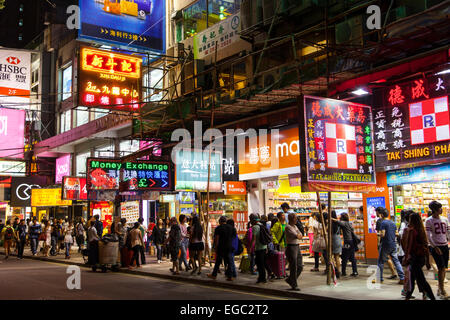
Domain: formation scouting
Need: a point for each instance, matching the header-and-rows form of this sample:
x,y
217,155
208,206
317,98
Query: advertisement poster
x,y
48,198
12,168
63,166
192,171
12,126
134,23
15,74
103,174
372,204
74,188
418,175
147,175
109,79
240,221
130,211
21,189
338,139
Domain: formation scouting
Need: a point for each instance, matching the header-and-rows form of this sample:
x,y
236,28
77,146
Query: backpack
x,y
9,234
264,235
240,248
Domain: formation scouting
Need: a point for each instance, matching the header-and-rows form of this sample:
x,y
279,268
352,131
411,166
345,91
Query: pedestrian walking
x,y
260,249
437,229
196,245
249,245
403,225
389,262
349,247
68,238
137,244
234,248
93,240
166,248
336,243
98,226
21,236
416,256
223,246
278,232
184,243
35,231
293,252
159,235
80,234
388,247
143,231
319,245
174,244
48,240
8,238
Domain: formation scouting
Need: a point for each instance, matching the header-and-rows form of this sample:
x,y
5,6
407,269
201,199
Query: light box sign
x,y
12,130
134,23
12,168
74,188
63,166
15,73
48,198
103,174
338,142
192,170
21,189
147,175
235,188
109,80
419,175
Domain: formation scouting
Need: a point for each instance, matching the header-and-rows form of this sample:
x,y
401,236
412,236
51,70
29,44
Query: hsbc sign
x,y
15,74
21,190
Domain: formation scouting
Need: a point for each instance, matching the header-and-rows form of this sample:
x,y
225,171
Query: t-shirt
x,y
255,233
437,231
389,239
225,233
291,234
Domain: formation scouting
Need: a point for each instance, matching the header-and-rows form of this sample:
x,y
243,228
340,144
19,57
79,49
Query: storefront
x,y
49,200
21,188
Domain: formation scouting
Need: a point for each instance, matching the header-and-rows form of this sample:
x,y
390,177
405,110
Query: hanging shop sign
x,y
224,33
48,198
130,211
12,131
192,170
74,188
21,189
15,74
235,188
109,80
103,174
419,175
273,155
230,166
147,175
133,23
338,144
63,167
12,168
413,124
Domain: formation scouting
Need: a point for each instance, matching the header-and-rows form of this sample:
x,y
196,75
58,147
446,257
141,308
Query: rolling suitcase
x,y
277,263
244,266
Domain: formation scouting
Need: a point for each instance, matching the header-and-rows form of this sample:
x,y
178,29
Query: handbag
x,y
319,244
356,241
42,237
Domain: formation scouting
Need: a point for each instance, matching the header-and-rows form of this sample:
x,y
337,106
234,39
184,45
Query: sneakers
x,y
393,277
355,274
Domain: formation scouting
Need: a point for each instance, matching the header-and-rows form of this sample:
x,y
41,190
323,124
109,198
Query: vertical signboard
x,y
134,23
74,188
62,167
103,174
12,130
15,73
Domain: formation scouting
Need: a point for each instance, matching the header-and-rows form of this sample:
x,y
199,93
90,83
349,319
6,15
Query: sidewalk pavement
x,y
312,284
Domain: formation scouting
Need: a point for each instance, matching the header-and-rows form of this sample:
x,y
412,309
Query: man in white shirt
x,y
437,228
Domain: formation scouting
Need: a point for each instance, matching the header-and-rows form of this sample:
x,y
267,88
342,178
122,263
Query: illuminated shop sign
x,y
48,198
74,188
147,175
109,80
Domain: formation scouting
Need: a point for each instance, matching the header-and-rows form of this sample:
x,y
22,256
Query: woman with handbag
x,y
350,244
319,245
47,238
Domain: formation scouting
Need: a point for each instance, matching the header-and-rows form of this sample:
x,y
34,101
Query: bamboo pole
x,y
329,248
323,229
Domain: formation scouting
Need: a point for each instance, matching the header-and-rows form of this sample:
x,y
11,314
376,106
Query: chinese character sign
x,y
103,174
147,175
109,80
135,23
339,146
15,78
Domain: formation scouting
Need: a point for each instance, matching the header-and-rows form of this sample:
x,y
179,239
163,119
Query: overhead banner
x,y
21,189
15,73
109,80
12,168
192,171
133,23
147,175
74,188
413,124
12,132
338,144
63,167
48,198
103,174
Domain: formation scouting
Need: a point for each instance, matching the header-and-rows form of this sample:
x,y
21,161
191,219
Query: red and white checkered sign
x,y
429,121
340,146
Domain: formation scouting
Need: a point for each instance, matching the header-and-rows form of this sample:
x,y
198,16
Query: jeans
x,y
159,252
20,247
34,244
316,259
141,250
416,274
348,253
232,265
295,260
225,257
136,250
184,246
67,246
260,259
252,262
383,257
54,244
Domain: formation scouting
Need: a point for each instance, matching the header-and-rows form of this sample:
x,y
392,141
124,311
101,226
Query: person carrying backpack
x,y
8,238
260,239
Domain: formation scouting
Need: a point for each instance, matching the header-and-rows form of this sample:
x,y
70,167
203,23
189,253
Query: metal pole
x,y
323,226
329,249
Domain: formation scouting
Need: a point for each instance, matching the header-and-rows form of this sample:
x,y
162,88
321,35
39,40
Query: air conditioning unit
x,y
350,32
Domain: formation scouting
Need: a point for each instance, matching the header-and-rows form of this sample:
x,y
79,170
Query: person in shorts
x,y
437,228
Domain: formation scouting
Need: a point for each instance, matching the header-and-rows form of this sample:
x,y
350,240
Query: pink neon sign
x,y
62,168
12,129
